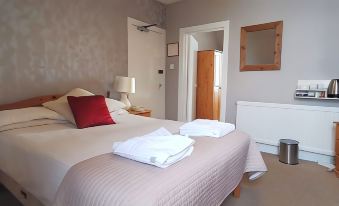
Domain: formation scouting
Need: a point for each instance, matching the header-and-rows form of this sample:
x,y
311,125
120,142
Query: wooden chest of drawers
x,y
337,150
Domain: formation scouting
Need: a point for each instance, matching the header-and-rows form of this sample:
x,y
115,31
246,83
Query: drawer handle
x,y
24,194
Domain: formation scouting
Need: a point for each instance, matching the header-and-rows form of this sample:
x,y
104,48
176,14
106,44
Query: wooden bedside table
x,y
145,113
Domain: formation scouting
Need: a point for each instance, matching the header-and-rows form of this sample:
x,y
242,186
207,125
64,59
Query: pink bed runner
x,y
207,177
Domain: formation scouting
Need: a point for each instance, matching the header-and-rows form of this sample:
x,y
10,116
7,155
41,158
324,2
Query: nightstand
x,y
145,113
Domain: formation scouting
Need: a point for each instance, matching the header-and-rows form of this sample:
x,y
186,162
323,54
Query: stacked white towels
x,y
205,127
159,148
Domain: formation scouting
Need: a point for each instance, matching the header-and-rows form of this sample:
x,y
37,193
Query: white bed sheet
x,y
39,157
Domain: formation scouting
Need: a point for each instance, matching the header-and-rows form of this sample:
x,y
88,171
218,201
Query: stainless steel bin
x,y
289,151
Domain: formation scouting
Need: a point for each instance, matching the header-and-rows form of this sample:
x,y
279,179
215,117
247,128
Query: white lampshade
x,y
124,84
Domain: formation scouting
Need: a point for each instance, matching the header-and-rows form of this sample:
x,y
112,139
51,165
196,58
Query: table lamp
x,y
124,85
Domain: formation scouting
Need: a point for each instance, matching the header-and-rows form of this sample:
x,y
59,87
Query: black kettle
x,y
333,89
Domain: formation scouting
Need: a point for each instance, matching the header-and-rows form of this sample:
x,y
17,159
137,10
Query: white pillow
x,y
62,107
13,116
114,105
61,104
32,123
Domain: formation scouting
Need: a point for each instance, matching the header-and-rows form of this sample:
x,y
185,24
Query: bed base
x,y
236,192
24,197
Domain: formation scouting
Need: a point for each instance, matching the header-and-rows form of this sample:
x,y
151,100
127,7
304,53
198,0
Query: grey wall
x,y
209,40
220,40
310,46
51,46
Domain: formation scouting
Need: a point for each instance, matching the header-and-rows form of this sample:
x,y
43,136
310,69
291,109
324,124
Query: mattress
x,y
43,158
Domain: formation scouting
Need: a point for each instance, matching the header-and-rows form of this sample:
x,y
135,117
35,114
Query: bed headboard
x,y
33,102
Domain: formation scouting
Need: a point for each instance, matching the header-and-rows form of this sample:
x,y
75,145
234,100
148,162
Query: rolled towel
x,y
160,151
255,175
204,127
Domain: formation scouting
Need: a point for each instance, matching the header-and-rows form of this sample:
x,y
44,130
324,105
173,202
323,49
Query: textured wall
x,y
51,46
310,46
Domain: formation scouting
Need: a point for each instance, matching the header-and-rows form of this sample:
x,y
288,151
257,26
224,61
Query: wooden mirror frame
x,y
278,27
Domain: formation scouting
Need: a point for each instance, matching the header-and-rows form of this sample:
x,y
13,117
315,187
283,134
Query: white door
x,y
192,83
146,62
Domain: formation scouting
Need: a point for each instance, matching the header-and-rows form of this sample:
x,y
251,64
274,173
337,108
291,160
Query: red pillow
x,y
90,111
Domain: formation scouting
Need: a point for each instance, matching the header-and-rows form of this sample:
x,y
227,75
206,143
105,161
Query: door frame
x,y
185,76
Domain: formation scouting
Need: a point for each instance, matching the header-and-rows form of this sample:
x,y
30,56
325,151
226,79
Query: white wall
x,y
220,40
210,40
310,46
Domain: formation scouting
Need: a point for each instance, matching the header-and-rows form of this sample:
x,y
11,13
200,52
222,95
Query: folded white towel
x,y
204,127
158,148
159,132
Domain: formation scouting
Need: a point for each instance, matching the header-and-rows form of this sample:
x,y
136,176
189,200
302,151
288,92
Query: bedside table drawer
x,y
337,147
144,113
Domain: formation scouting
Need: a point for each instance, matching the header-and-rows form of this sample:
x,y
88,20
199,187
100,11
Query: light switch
x,y
171,66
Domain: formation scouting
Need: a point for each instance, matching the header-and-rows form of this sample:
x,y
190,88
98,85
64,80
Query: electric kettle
x,y
333,89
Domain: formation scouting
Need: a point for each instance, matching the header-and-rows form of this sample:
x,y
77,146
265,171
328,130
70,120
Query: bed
x,y
58,164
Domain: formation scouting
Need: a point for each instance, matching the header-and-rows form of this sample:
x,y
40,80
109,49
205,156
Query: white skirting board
x,y
312,126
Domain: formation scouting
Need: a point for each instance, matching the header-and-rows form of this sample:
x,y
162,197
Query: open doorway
x,y
203,72
206,61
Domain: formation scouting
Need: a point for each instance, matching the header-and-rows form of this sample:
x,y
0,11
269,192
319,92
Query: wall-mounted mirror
x,y
260,47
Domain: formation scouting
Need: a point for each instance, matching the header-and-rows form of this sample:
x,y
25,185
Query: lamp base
x,y
124,99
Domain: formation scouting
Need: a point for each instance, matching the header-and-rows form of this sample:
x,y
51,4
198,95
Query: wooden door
x,y
205,85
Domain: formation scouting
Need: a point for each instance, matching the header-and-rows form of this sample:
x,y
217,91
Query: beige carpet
x,y
306,184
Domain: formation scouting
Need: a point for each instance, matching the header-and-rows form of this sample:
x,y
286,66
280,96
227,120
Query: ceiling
x,y
168,1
